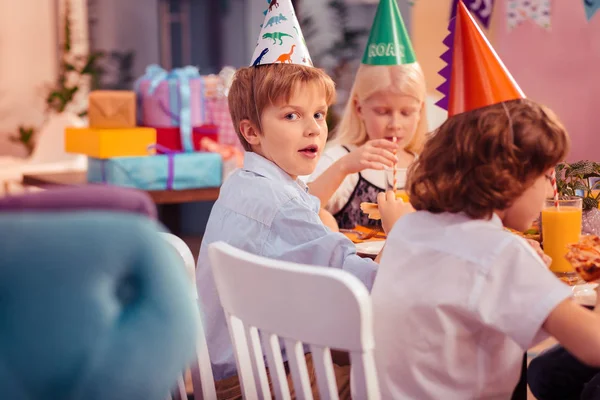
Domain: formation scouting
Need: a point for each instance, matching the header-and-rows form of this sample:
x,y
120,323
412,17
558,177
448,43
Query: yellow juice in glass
x,y
560,227
401,194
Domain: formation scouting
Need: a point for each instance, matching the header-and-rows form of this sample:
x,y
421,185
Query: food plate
x,y
370,248
585,294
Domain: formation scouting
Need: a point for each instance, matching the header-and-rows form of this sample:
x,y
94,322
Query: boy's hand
x,y
374,154
538,249
391,209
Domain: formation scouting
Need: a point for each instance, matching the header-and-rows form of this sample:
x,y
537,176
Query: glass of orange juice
x,y
561,226
400,182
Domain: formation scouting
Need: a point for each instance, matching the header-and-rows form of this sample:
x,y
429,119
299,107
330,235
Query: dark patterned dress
x,y
350,214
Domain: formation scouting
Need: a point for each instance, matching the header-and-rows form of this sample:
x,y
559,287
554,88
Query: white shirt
x,y
456,303
341,196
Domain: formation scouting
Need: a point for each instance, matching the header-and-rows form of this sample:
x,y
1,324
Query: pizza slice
x,y
371,209
529,234
585,257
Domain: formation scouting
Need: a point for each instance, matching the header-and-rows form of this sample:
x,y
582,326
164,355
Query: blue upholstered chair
x,y
93,305
81,198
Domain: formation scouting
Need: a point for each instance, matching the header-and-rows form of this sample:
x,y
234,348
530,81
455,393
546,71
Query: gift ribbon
x,y
170,165
152,71
179,97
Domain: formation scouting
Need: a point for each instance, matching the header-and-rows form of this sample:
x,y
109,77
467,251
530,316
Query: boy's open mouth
x,y
309,151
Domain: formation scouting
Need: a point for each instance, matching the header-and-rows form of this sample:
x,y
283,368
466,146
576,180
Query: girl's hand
x,y
538,249
391,209
374,154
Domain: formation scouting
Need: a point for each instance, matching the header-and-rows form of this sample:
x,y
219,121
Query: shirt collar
x,y
496,221
259,165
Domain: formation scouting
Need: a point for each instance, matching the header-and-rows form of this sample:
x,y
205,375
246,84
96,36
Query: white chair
x,y
186,254
322,307
201,371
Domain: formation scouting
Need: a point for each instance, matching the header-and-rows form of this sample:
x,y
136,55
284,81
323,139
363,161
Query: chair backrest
x,y
92,307
85,197
186,254
321,307
201,371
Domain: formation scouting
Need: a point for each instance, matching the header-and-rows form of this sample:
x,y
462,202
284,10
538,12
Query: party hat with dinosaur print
x,y
475,76
388,43
280,39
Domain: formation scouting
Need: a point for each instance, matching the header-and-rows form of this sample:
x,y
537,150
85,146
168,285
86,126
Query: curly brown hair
x,y
483,160
255,88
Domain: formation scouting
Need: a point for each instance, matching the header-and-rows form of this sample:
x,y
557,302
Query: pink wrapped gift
x,y
218,114
174,98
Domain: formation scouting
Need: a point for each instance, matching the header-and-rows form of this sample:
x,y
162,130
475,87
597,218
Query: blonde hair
x,y
255,88
406,79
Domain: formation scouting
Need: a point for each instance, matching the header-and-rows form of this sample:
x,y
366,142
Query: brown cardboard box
x,y
112,109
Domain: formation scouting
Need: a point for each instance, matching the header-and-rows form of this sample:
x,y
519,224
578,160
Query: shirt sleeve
x,y
298,235
519,292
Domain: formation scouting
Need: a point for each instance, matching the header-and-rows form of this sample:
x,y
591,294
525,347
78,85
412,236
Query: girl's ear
x,y
357,107
250,132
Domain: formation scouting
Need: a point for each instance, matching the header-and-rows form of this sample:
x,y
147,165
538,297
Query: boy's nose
x,y
313,128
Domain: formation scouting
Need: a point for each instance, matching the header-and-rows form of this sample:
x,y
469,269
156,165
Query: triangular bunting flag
x,y
591,6
481,8
519,11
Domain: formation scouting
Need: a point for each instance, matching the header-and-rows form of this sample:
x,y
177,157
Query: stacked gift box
x,y
158,136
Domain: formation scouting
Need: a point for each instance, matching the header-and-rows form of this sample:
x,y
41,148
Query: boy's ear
x,y
250,132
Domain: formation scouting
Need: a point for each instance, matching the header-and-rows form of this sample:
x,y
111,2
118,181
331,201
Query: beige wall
x,y
28,63
566,80
429,28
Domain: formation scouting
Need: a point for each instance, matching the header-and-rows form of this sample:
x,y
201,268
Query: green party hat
x,y
388,43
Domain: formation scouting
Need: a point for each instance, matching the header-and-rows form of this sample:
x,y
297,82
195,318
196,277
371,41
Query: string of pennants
x,y
518,11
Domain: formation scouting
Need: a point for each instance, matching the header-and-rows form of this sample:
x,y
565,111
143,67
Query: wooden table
x,y
169,200
158,196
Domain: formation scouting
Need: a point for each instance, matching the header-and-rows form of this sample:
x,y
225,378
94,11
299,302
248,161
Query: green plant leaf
x,y
589,203
579,185
582,169
90,65
576,177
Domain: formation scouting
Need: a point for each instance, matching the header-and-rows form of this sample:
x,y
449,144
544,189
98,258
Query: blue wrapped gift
x,y
173,171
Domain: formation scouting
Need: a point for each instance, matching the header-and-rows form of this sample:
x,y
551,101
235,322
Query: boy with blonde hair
x,y
278,107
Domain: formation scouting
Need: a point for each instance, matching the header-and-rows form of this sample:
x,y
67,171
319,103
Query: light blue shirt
x,y
263,211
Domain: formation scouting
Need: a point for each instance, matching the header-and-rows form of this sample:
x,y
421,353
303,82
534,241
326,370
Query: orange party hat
x,y
478,78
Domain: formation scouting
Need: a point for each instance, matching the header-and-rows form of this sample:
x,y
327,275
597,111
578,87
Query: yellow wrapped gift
x,y
107,143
